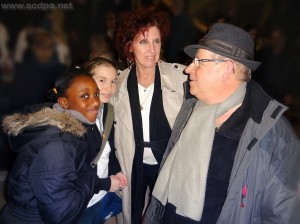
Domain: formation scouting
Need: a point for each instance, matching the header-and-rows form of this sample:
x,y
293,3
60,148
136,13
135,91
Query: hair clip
x,y
54,90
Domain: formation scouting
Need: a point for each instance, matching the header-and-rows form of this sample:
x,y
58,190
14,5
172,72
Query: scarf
x,y
182,179
74,113
159,135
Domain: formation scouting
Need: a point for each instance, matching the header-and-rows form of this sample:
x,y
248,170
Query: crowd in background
x,y
35,48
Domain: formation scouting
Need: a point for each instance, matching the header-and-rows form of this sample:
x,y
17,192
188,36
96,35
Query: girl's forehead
x,y
82,80
104,71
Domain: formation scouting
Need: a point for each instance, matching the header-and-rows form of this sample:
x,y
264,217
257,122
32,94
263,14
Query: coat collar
x,y
254,105
165,72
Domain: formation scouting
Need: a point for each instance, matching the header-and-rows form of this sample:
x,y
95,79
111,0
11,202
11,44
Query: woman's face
x,y
106,79
82,96
146,48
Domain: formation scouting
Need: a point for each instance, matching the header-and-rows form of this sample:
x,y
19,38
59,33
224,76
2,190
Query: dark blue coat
x,y
50,181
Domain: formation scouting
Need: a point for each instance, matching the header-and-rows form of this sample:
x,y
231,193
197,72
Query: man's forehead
x,y
203,52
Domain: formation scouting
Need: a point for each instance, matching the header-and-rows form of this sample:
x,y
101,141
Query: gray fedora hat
x,y
229,41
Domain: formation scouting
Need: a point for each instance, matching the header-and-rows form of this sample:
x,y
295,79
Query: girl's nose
x,y
108,87
96,101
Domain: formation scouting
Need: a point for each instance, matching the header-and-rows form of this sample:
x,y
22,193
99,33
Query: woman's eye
x,y
97,94
144,42
114,81
157,41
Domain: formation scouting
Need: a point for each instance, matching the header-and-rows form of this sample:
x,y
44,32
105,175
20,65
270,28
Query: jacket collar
x,y
164,72
255,103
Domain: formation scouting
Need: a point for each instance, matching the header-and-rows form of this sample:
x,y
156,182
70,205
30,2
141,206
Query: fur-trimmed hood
x,y
17,123
22,127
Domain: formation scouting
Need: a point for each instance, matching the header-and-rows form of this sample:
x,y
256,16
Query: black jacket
x,y
50,181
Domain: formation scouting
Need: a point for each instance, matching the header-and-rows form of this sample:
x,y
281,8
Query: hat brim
x,y
191,51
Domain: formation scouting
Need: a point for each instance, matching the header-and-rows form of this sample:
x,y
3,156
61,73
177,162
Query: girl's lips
x,y
93,111
106,94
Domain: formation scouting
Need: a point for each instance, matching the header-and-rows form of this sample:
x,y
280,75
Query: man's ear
x,y
63,102
229,70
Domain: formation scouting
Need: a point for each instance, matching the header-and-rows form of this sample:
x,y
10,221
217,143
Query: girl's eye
x,y
114,81
85,96
102,80
97,94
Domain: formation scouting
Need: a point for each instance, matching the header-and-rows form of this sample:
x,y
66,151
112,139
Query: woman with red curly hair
x,y
147,101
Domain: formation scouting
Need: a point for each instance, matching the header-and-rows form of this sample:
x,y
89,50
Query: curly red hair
x,y
136,22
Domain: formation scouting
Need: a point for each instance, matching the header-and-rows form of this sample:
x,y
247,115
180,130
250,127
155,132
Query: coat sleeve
x,y
62,189
281,202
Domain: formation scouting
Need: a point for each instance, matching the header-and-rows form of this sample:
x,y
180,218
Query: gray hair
x,y
241,72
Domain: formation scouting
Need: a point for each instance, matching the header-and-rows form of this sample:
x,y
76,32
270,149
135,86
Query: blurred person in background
x,y
279,66
6,62
37,72
57,19
183,32
102,46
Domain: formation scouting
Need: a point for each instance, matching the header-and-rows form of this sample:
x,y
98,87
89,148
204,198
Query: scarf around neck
x,y
73,113
182,179
159,135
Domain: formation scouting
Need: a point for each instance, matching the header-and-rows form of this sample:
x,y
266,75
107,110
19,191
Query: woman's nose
x,y
151,47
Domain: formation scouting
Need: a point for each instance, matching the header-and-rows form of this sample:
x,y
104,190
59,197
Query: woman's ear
x,y
63,102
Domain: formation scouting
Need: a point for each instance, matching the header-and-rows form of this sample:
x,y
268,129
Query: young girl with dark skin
x,y
50,181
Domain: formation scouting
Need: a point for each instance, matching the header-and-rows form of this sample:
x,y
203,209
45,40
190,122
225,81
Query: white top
x,y
145,95
102,165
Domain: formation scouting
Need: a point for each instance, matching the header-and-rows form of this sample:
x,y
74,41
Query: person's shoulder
x,y
172,72
284,130
123,72
122,76
172,66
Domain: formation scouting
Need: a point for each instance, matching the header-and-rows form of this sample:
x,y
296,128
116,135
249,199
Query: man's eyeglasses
x,y
198,61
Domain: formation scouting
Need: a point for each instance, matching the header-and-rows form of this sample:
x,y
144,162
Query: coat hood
x,y
23,127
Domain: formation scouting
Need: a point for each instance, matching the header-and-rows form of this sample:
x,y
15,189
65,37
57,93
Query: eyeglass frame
x,y
196,61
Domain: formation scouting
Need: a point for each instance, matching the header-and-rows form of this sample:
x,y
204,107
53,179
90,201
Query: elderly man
x,y
232,156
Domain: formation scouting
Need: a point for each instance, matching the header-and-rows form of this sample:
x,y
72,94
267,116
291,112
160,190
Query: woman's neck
x,y
145,77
